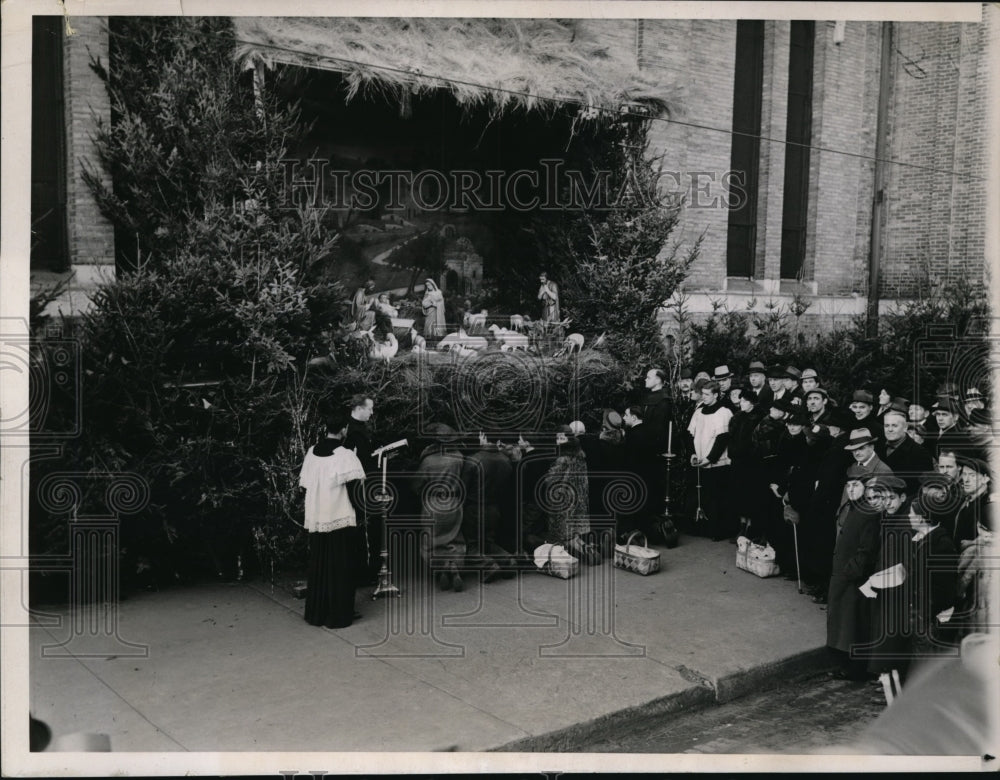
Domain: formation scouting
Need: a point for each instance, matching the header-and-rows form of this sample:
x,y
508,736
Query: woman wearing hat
x,y
746,477
438,482
564,496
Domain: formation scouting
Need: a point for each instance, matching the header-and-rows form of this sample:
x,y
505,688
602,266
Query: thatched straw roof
x,y
534,64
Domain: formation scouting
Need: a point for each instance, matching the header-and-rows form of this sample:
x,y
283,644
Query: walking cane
x,y
795,538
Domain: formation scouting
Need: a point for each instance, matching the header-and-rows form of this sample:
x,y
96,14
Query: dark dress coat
x,y
908,461
640,457
486,476
659,413
969,515
855,555
907,614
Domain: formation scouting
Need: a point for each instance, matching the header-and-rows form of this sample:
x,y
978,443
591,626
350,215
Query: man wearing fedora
x,y
867,464
724,377
757,381
972,400
776,382
809,380
792,386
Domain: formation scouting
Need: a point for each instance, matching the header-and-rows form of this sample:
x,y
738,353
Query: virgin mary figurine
x,y
433,306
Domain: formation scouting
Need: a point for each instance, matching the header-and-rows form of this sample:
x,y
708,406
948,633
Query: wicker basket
x,y
638,559
554,560
756,558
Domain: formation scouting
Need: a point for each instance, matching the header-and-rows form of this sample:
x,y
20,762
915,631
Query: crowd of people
x,y
881,506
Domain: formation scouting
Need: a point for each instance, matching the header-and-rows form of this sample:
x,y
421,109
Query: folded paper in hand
x,y
892,577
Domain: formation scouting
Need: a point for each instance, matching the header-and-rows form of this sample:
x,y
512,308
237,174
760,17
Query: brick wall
x,y
845,106
91,236
698,56
774,113
936,220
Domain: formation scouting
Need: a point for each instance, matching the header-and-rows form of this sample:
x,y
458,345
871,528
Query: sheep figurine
x,y
508,339
519,322
419,343
462,339
475,323
574,342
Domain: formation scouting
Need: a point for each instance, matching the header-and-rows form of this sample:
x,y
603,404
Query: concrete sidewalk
x,y
531,663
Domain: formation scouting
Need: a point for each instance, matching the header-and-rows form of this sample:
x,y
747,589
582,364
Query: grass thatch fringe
x,y
531,64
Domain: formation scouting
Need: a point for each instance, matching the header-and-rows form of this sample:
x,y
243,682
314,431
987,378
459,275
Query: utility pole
x,y
878,189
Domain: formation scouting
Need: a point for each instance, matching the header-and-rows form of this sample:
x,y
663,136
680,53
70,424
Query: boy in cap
x,y
918,417
977,504
950,433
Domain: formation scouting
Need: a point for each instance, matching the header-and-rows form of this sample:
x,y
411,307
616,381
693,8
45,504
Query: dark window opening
x,y
49,249
744,162
798,136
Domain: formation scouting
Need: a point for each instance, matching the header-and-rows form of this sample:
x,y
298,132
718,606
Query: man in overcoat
x,y
855,555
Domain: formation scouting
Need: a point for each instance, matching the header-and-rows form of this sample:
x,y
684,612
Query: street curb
x,y
770,675
569,739
732,686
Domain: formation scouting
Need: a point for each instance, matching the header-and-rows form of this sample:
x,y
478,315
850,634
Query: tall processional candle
x,y
670,437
